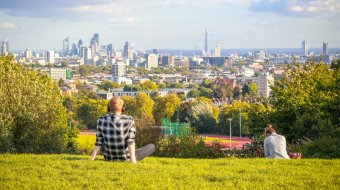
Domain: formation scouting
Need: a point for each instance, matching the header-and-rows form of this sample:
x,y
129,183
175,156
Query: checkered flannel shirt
x,y
114,134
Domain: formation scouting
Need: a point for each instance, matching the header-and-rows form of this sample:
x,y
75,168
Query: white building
x,y
151,61
58,73
247,72
263,83
119,69
28,54
305,48
217,51
119,73
50,56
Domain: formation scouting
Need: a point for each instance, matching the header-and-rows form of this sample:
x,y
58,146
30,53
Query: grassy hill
x,y
27,171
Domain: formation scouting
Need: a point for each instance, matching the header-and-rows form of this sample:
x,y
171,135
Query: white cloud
x,y
7,25
297,7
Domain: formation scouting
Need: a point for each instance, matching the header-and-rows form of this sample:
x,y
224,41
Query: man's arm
x,y
99,139
266,150
96,150
132,151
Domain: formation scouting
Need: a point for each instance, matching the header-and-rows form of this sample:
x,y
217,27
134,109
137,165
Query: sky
x,y
171,24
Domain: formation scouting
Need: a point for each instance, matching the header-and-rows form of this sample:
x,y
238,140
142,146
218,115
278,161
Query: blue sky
x,y
171,24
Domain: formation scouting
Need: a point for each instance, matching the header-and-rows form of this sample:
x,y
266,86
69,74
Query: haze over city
x,y
166,24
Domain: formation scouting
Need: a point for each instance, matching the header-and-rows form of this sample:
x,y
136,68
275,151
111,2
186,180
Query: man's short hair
x,y
269,129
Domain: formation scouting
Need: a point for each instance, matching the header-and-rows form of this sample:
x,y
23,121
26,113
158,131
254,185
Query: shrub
x,y
325,147
32,116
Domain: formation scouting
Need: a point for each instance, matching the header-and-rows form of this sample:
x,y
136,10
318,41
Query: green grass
x,y
215,139
85,143
26,171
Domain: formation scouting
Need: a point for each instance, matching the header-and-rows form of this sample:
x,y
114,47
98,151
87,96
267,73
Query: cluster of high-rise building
x,y
258,66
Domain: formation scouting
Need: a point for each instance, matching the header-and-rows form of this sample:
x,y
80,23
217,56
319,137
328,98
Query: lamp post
x,y
229,133
240,122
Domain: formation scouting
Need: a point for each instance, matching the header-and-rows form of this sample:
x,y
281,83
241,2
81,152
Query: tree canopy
x,y
306,101
32,116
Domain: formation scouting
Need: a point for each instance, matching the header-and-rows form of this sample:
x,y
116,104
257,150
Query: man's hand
x,y
96,149
132,151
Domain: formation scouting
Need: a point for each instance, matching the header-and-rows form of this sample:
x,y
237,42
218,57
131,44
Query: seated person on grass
x,y
116,135
274,144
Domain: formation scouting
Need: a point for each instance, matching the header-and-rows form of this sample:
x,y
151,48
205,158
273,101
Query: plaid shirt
x,y
114,134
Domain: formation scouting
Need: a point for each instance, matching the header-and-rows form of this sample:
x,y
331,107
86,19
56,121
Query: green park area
x,y
41,146
29,171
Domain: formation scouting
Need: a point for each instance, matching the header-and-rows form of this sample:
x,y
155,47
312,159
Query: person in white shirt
x,y
274,144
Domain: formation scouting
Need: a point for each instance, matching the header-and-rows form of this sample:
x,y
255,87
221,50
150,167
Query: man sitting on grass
x,y
274,144
116,134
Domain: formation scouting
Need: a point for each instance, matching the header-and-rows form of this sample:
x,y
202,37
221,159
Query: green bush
x,y
321,148
32,116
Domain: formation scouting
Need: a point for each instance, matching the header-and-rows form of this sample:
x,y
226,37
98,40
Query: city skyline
x,y
169,24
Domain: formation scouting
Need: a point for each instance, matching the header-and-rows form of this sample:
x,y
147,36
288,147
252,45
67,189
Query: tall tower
x,y
50,56
217,51
109,50
126,49
325,48
4,47
80,43
206,41
305,47
66,46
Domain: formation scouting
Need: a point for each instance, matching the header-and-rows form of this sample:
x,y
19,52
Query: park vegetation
x,y
304,106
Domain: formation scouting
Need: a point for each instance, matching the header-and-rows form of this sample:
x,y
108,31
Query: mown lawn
x,y
26,171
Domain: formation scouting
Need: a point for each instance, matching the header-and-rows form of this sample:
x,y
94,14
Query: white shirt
x,y
275,146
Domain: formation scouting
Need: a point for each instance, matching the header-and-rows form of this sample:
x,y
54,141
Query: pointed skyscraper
x,y
206,41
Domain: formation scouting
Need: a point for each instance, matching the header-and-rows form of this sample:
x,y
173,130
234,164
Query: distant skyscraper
x,y
80,43
217,51
127,47
94,44
74,49
4,47
151,61
96,38
50,56
87,53
206,41
325,48
305,47
66,46
109,50
28,53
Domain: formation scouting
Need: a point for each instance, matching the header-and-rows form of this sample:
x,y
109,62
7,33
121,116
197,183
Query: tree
x,y
206,92
140,108
32,116
194,93
306,102
106,85
84,70
165,107
89,110
162,85
135,87
149,85
201,116
233,111
250,89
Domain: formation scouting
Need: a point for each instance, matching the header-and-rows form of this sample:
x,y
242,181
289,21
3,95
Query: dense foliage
x,y
32,116
306,102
